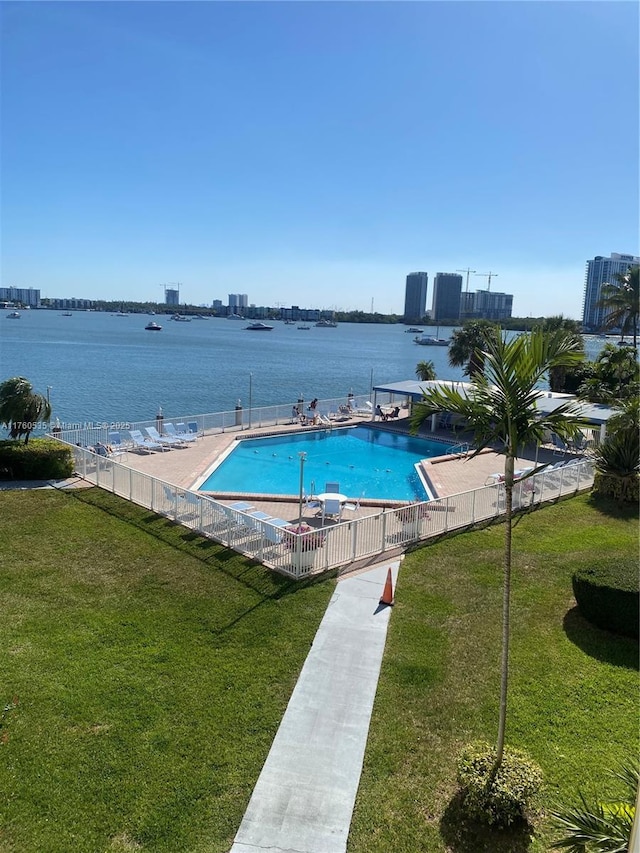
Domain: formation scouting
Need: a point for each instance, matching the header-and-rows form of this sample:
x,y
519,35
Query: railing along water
x,y
299,555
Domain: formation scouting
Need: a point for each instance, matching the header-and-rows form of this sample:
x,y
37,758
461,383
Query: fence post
x,y
473,507
446,515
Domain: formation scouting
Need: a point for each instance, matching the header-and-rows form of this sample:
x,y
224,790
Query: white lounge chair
x,y
165,440
116,444
142,443
184,437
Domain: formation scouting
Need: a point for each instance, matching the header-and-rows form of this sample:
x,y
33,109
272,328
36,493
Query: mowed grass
x,y
151,668
573,696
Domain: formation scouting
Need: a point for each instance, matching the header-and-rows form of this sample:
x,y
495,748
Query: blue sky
x,y
314,153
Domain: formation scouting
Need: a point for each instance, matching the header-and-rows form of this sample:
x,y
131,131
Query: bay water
x,y
100,367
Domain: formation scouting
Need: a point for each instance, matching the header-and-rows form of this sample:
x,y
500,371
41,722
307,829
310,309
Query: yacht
x,y
414,330
327,324
14,315
259,327
430,341
152,326
180,318
235,317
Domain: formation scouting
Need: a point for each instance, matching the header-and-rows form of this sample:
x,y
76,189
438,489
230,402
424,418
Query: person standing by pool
x,y
313,404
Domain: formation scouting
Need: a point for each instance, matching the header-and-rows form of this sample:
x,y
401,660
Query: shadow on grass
x,y
602,645
270,585
462,835
614,509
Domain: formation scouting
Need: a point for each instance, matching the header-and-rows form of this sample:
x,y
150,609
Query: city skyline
x,y
311,153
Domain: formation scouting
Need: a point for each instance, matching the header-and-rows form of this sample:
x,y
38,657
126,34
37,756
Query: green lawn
x,y
573,701
151,669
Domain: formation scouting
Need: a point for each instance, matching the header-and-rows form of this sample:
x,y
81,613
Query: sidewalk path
x,y
304,797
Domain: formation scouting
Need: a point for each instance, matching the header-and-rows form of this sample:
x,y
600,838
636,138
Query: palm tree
x,y
559,379
615,376
598,826
20,408
499,406
621,300
467,345
425,371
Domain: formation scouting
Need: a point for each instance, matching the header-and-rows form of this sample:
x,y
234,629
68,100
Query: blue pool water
x,y
369,462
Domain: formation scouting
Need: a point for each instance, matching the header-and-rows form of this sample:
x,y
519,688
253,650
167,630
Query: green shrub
x,y
40,459
513,794
623,489
608,595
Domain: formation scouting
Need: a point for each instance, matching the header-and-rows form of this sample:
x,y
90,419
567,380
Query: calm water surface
x,y
100,367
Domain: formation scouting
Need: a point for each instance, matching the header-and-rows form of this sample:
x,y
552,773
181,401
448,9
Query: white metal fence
x,y
238,419
340,544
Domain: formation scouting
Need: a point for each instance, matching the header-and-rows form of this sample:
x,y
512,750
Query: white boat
x,y
14,315
304,328
180,318
414,330
431,341
258,327
327,324
235,317
67,314
153,327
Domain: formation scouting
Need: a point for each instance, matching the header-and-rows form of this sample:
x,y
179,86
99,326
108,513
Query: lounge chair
x,y
352,507
184,437
165,440
309,501
142,443
559,445
191,428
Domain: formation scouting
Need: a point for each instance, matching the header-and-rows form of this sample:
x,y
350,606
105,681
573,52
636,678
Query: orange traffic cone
x,y
387,595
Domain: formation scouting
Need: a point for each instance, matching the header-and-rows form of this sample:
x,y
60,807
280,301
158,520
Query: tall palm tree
x,y
425,371
499,406
467,345
621,300
559,325
21,408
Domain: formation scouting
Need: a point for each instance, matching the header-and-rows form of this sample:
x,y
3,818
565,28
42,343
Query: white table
x,y
331,496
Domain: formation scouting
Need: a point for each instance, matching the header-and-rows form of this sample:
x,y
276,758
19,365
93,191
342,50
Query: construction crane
x,y
488,275
468,271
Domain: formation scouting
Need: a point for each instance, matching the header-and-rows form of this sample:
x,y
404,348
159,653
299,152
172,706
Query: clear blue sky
x,y
314,153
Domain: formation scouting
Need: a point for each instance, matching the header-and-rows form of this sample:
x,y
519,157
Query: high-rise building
x,y
601,271
238,300
447,287
22,295
171,296
415,297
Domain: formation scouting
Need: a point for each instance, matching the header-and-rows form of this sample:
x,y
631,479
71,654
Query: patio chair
x,y
352,507
309,501
190,429
332,487
142,443
331,508
172,432
116,444
165,440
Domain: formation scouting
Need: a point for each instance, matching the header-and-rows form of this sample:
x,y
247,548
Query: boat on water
x,y
414,330
304,328
235,317
180,318
13,315
431,341
67,314
153,327
258,327
326,324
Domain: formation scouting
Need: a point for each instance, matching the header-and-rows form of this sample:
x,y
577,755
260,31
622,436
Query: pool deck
x,y
449,475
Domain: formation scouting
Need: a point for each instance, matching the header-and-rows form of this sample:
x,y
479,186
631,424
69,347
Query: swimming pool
x,y
366,462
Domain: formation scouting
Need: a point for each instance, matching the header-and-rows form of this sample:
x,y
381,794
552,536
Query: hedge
x,y
608,595
40,459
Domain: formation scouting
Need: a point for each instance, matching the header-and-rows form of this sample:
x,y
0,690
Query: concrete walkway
x,y
304,797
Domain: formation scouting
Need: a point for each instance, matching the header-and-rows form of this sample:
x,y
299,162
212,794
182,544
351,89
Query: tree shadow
x,y
602,645
463,835
612,508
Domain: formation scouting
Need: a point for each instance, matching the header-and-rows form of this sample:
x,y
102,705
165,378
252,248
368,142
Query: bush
x,y
608,595
40,459
623,489
511,796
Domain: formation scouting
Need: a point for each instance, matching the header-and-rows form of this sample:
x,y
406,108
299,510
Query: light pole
x,y
302,456
250,391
